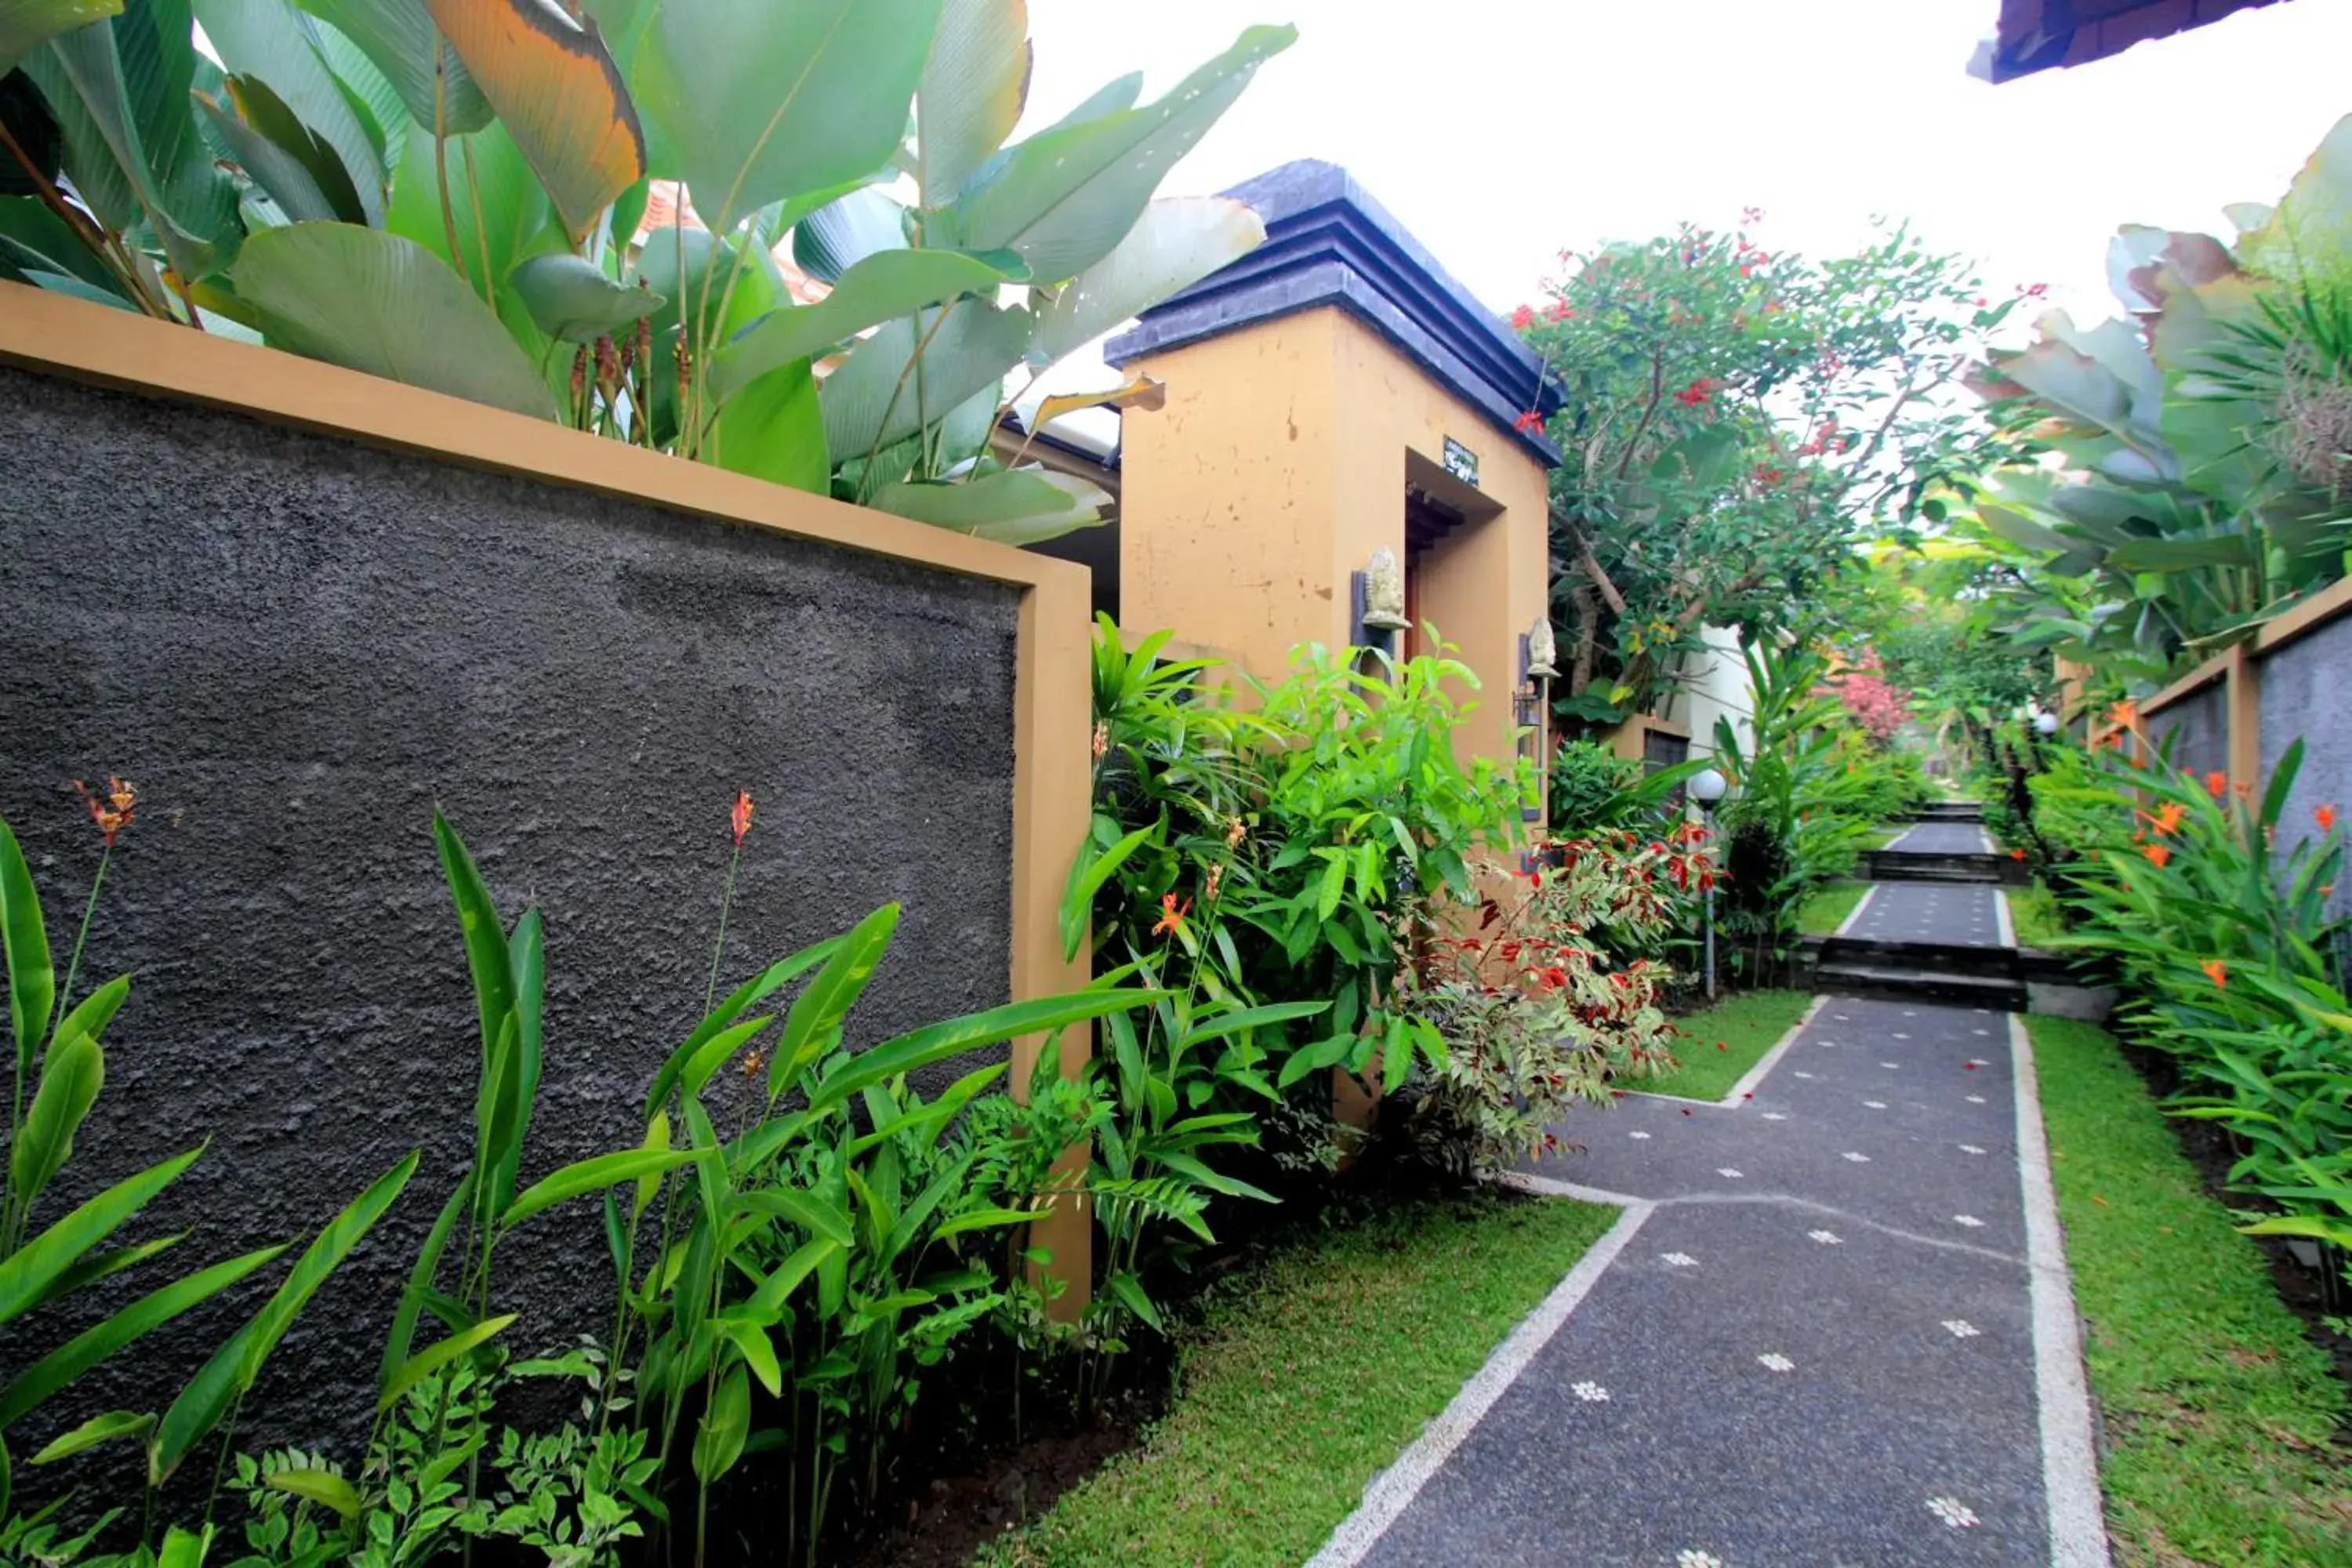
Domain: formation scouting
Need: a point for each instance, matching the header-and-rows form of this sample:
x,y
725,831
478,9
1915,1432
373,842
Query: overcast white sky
x,y
1501,131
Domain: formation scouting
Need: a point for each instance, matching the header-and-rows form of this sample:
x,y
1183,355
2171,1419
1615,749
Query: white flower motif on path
x,y
1984,1012
1952,1511
1875,1104
1591,1393
1637,1135
1774,1116
1826,1237
1901,1036
1962,1329
1970,1149
1976,1099
1804,1075
1979,1062
1839,1017
1728,1172
1969,1220
1909,1014
1858,1159
1982,1031
1697,1560
1892,1066
1773,1361
1679,1259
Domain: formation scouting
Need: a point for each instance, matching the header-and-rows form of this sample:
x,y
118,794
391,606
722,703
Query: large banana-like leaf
x,y
570,297
400,37
218,1384
271,42
71,1075
1065,198
878,397
971,93
376,302
886,284
120,94
558,93
770,426
488,180
2312,223
32,974
753,103
300,170
1024,506
26,24
843,232
1175,244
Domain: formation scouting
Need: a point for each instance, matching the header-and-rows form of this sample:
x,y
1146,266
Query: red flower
x,y
1530,423
1523,318
738,816
2017,854
2217,972
1697,392
2158,854
2325,816
112,810
1971,1066
1722,1046
1557,310
2217,785
1171,915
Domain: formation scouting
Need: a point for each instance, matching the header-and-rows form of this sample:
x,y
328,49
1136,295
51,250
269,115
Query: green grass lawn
x,y
2219,1411
2033,911
1310,1373
1889,832
1822,914
1722,1043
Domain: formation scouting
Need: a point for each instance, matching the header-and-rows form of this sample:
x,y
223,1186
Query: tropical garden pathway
x,y
1832,1328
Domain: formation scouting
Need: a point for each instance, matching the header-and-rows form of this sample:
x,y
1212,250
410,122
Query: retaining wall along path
x,y
295,641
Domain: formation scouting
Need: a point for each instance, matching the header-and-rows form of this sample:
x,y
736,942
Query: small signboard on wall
x,y
1462,462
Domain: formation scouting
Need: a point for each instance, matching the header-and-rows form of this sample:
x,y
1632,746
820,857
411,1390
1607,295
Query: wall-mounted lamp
x,y
1376,597
1543,652
2045,723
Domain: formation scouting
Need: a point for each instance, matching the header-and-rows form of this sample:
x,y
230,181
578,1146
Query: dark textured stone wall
x,y
2199,729
2306,692
294,645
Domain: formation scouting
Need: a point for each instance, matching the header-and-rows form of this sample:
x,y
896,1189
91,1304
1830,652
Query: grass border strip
x,y
2070,1466
1755,1076
1854,916
1391,1493
2007,925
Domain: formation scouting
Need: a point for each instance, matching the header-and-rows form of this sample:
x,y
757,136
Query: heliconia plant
x,y
455,193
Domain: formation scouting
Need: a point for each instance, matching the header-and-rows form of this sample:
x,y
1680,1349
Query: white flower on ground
x,y
1804,1075
1961,1329
1773,1361
1728,1172
1774,1116
1968,1219
1970,1149
1680,1260
1976,1099
1875,1104
1591,1393
1826,1237
1858,1159
1640,1135
1697,1560
1952,1511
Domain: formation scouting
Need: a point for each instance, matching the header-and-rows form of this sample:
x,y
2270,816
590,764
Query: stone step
x,y
1920,985
1934,957
1949,811
1914,866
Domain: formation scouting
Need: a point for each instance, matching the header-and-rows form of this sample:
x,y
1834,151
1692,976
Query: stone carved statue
x,y
1384,592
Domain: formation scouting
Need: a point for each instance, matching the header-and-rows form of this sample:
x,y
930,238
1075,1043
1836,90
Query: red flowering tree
x,y
1872,701
1736,420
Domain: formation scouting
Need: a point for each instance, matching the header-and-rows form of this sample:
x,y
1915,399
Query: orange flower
x,y
2125,714
2158,854
2217,972
2167,821
1171,915
738,816
2217,785
2017,854
2325,816
112,810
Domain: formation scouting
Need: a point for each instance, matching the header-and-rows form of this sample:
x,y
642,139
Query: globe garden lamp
x,y
1706,787
2045,723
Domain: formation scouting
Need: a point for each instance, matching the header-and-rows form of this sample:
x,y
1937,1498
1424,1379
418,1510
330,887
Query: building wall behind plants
x,y
294,645
2199,728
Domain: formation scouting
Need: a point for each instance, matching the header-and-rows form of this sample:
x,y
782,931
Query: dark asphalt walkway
x,y
1944,838
1831,1329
